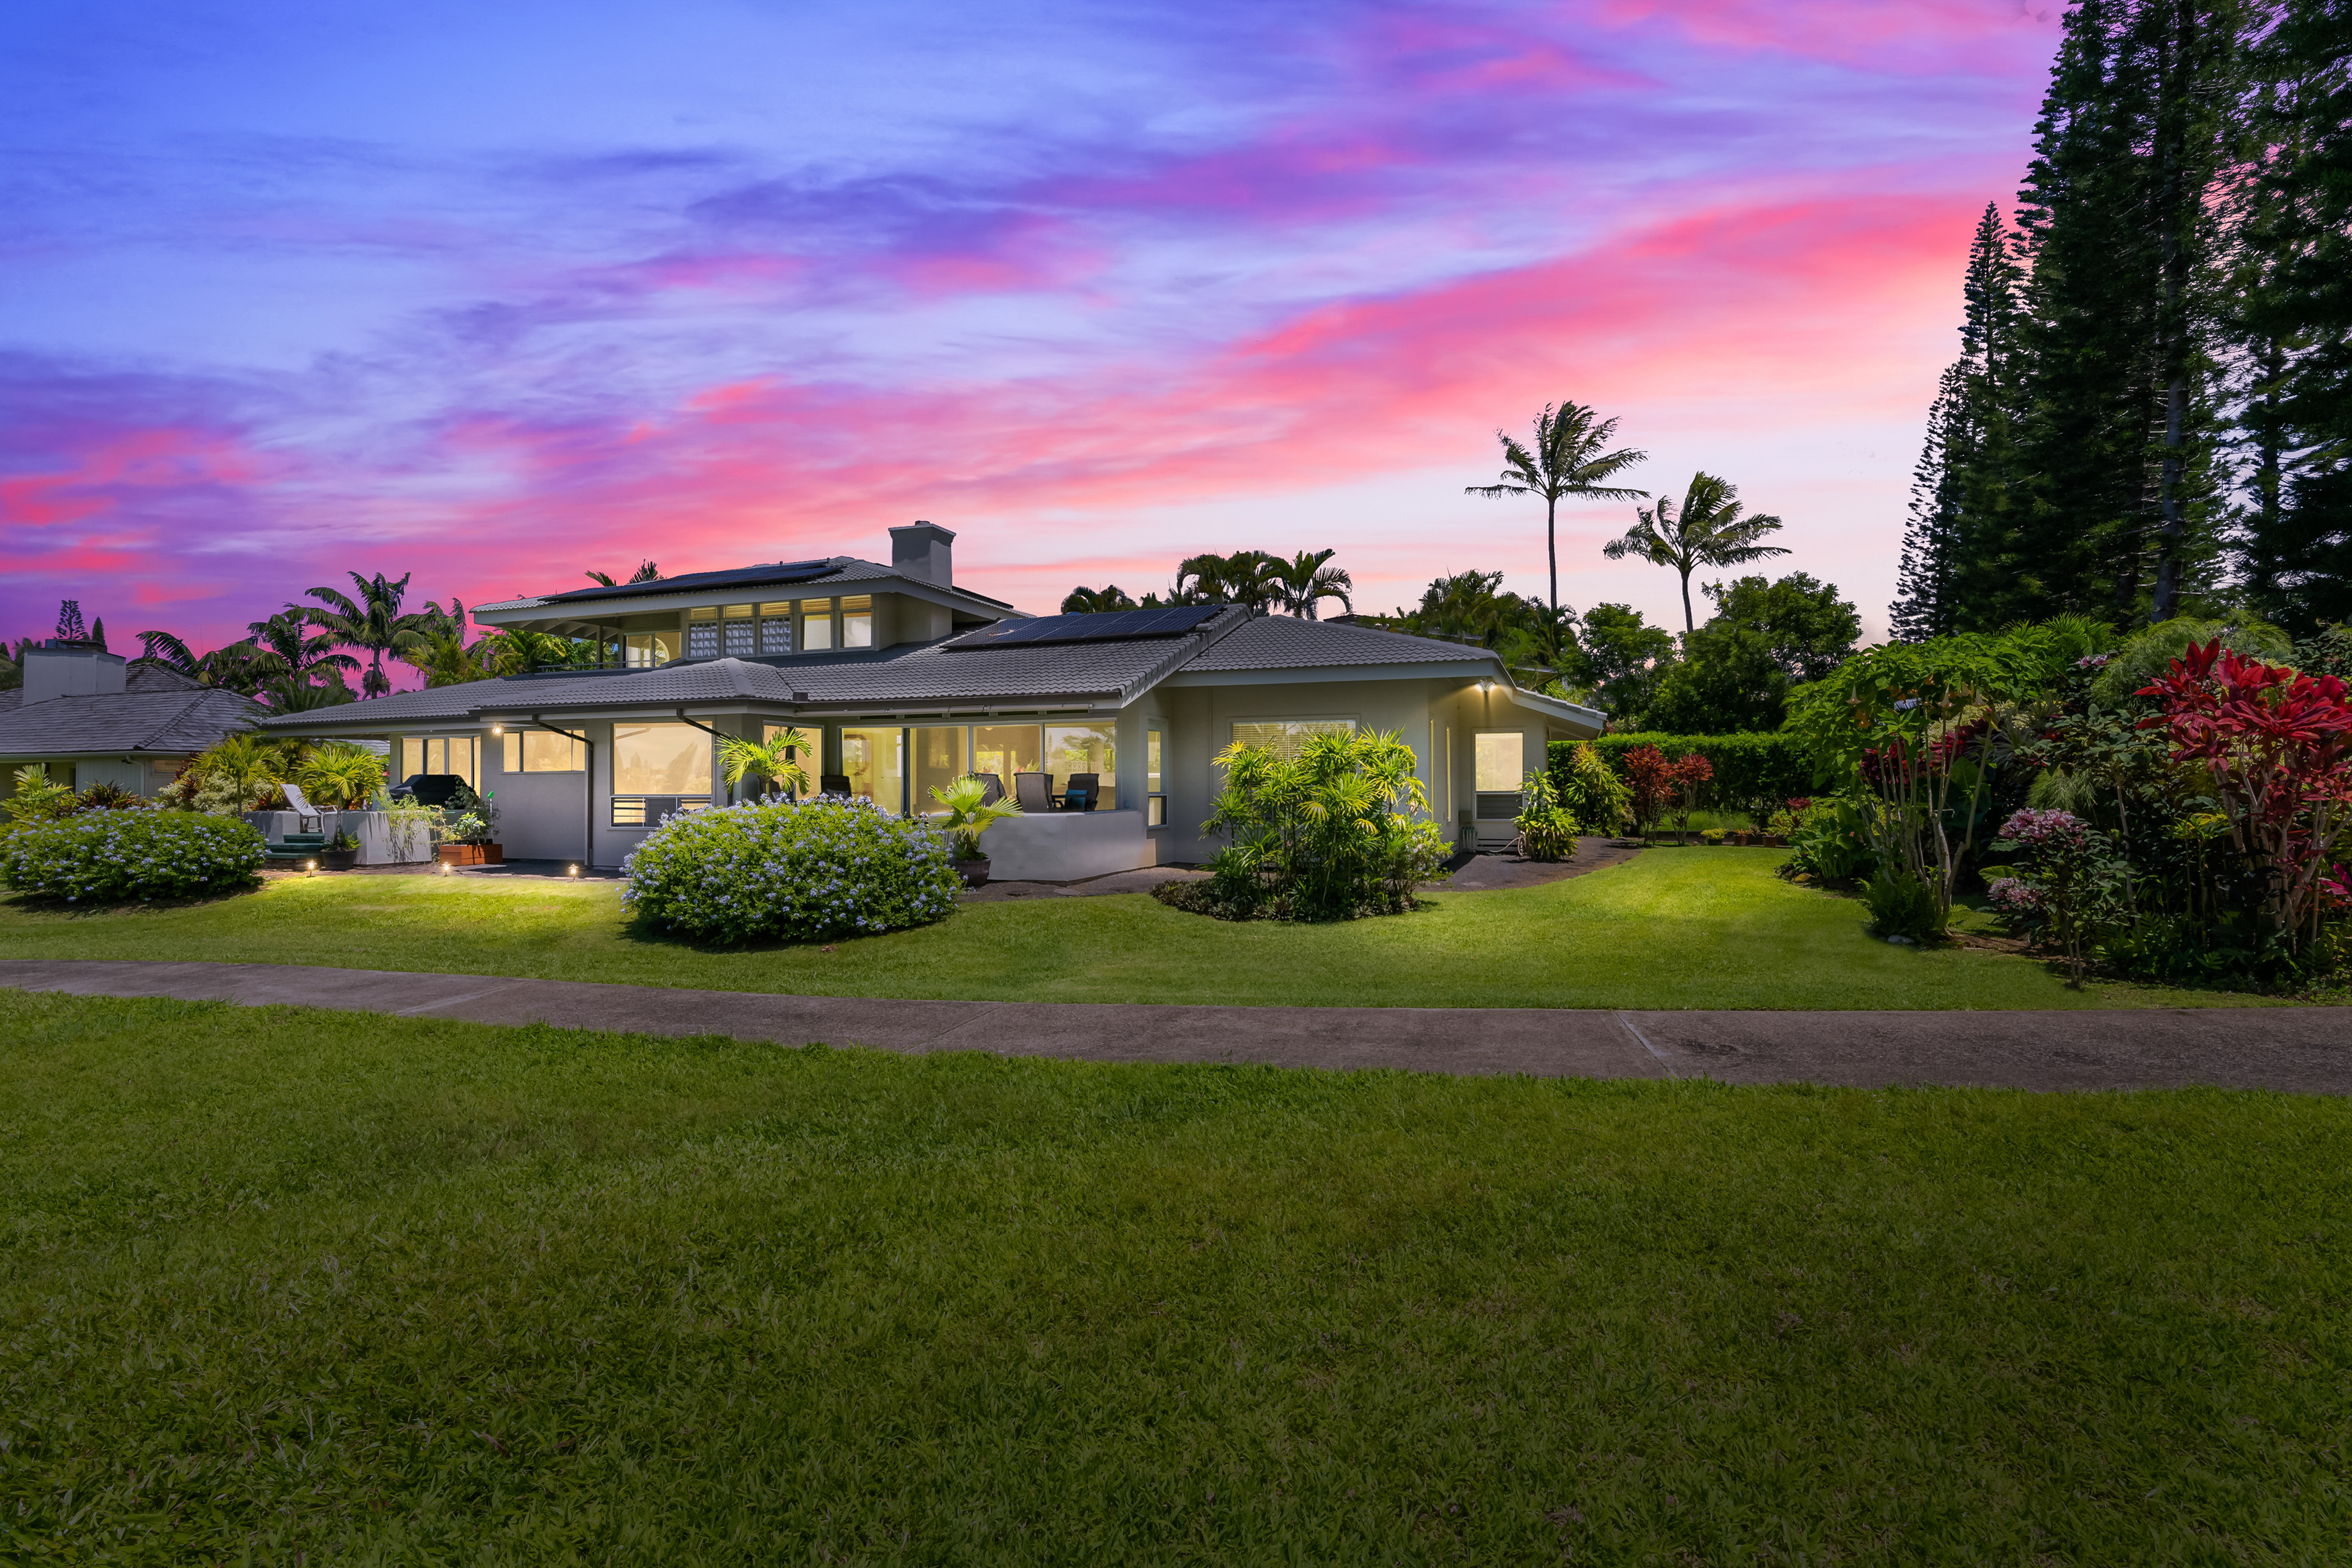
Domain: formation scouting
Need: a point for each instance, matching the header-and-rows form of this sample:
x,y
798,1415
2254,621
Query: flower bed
x,y
121,857
798,872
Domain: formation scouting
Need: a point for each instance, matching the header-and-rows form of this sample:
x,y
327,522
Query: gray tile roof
x,y
842,568
1285,642
153,716
916,675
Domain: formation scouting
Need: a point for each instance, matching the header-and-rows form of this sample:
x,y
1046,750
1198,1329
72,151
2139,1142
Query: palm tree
x,y
1095,600
241,667
1567,459
775,763
372,623
518,651
1304,581
1245,578
1706,530
646,572
303,652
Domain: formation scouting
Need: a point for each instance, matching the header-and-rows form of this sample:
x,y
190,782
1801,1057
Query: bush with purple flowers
x,y
2069,886
795,870
131,856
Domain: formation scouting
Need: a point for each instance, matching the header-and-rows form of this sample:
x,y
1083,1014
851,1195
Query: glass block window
x,y
702,632
741,640
776,628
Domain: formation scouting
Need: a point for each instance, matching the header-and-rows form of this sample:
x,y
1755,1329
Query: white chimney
x,y
924,551
71,670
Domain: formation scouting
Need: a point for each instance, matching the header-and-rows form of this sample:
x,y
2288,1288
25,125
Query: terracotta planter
x,y
473,854
974,873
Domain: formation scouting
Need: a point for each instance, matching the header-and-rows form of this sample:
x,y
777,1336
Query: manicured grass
x,y
1672,928
288,1286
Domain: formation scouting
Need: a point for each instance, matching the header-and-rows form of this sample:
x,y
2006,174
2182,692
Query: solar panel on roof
x,y
686,582
1104,626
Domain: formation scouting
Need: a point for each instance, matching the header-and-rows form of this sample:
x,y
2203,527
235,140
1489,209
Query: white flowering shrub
x,y
801,872
121,857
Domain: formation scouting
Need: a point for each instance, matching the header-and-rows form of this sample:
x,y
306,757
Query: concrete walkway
x,y
2307,1050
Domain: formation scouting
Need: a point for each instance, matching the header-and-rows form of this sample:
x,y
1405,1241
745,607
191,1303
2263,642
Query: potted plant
x,y
469,836
342,851
969,814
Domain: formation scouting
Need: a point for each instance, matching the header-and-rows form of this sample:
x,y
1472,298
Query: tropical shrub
x,y
1586,786
1691,774
35,798
1547,828
107,798
119,857
2277,746
970,813
238,773
1651,783
1901,906
341,776
794,871
1755,772
1339,830
1829,842
775,763
2072,885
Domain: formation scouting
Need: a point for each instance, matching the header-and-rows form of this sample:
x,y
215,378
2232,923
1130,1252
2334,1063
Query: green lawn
x,y
286,1286
1672,928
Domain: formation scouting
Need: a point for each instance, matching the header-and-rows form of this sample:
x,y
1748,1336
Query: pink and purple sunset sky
x,y
495,294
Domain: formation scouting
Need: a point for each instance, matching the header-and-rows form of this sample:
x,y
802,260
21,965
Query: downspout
x,y
588,845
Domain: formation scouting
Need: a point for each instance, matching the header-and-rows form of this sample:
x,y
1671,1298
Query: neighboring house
x,y
91,720
906,681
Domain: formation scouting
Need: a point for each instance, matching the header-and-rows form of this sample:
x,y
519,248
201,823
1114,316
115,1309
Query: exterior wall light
x,y
497,729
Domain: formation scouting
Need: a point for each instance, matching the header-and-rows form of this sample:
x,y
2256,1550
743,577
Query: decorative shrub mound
x,y
801,872
117,857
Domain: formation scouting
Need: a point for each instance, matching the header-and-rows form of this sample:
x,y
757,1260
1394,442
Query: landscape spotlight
x,y
311,866
571,870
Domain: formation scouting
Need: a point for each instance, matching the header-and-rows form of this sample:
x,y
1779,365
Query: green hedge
x,y
1752,771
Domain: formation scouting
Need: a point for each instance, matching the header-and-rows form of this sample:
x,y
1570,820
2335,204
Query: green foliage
x,y
776,762
795,872
1726,681
1625,658
119,857
338,776
1084,601
1586,786
970,813
1473,607
35,798
2148,653
1708,529
1901,905
1829,841
1807,630
1756,773
1337,833
1547,830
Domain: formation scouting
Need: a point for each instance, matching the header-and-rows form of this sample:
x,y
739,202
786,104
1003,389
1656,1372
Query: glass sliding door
x,y
1006,749
939,760
1084,748
875,760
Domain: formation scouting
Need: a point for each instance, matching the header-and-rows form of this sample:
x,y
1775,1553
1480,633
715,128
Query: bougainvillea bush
x,y
131,856
798,871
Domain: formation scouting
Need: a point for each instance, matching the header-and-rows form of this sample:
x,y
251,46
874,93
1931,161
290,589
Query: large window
x,y
872,758
458,754
939,760
660,759
1084,748
1006,749
542,751
1288,737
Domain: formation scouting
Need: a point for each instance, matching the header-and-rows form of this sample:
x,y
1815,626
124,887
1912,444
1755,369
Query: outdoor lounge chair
x,y
1033,791
833,783
992,787
1081,792
307,816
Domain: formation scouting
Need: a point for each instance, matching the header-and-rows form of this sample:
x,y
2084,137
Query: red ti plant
x,y
1688,773
2277,743
1651,778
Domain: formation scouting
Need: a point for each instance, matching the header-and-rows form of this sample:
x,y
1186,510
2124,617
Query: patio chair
x,y
308,818
833,783
992,787
1081,792
1033,791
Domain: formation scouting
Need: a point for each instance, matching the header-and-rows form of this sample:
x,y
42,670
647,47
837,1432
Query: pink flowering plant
x,y
2071,885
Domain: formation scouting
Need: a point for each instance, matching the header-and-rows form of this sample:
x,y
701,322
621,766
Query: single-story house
x,y
903,681
89,719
